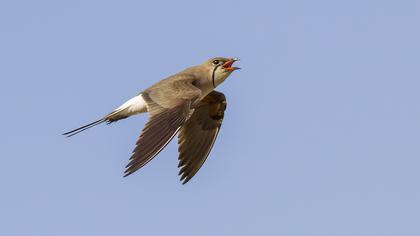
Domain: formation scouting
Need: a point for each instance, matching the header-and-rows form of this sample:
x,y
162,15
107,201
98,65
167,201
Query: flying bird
x,y
185,104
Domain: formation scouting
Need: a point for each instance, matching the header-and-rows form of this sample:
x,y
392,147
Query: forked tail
x,y
85,127
116,115
133,106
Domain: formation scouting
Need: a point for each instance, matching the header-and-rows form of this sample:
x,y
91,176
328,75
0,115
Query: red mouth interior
x,y
228,64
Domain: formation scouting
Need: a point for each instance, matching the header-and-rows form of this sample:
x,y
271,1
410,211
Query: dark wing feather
x,y
198,134
163,124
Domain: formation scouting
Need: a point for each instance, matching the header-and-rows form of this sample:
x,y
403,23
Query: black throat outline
x,y
213,74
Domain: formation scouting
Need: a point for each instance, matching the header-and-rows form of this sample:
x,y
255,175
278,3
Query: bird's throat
x,y
213,76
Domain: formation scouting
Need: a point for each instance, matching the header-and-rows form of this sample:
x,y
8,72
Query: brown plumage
x,y
197,136
184,103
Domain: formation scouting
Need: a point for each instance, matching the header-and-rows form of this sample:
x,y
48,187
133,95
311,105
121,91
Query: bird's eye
x,y
215,62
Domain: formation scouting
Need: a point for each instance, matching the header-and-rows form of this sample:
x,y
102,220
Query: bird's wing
x,y
169,106
198,134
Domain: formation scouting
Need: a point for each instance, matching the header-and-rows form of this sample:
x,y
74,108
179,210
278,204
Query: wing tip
x,y
185,180
129,169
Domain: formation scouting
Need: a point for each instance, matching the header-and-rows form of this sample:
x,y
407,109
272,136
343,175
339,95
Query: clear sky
x,y
321,135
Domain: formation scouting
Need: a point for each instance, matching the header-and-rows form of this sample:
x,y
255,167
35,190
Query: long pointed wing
x,y
198,134
166,115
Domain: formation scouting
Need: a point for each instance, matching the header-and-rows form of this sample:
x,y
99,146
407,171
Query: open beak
x,y
228,65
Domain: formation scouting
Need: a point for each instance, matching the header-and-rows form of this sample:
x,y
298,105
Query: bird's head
x,y
219,68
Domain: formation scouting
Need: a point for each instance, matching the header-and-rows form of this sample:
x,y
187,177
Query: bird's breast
x,y
205,88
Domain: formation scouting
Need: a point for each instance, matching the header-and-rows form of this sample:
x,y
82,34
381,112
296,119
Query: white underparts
x,y
133,106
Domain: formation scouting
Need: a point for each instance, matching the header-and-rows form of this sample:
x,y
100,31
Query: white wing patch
x,y
133,106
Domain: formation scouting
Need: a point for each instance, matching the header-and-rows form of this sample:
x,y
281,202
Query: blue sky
x,y
321,134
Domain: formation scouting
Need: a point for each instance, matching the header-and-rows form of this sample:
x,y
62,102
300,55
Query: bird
x,y
186,104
